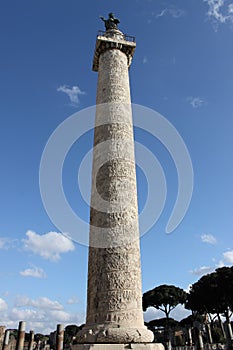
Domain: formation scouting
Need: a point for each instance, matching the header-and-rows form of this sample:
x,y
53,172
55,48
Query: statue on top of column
x,y
111,22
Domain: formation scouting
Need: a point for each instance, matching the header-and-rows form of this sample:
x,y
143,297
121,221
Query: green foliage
x,y
41,337
163,323
164,298
217,335
27,336
14,333
188,321
70,333
213,293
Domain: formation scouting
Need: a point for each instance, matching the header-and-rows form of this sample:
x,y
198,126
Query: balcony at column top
x,y
113,39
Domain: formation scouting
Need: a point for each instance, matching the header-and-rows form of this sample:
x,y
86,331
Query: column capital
x,y
113,39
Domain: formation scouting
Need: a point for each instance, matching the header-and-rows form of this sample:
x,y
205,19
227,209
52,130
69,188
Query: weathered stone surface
x,y
114,298
60,337
113,39
21,335
141,346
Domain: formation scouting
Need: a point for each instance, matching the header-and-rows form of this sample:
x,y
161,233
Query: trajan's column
x,y
114,299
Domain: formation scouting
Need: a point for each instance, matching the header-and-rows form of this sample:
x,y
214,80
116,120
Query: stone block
x,y
142,346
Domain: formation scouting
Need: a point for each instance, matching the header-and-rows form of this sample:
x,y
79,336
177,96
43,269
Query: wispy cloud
x,y
172,12
207,238
33,272
7,243
178,313
202,270
40,314
73,300
2,242
145,60
220,11
230,8
73,92
195,102
228,257
3,305
41,302
49,246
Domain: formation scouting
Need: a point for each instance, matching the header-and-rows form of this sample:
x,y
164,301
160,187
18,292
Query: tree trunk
x,y
221,326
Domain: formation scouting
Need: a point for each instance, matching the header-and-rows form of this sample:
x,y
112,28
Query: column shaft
x,y
6,340
114,300
21,335
60,337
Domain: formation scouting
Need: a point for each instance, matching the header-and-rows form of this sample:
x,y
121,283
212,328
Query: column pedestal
x,y
139,346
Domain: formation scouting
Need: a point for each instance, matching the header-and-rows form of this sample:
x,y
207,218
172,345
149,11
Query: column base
x,y
114,335
139,346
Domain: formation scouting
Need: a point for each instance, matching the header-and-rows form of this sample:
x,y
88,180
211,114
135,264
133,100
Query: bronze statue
x,y
111,22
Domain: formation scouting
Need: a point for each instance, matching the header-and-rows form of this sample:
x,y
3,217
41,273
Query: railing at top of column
x,y
126,37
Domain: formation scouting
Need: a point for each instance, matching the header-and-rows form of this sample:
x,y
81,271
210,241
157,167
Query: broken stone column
x,y
6,340
21,335
31,340
190,338
114,296
209,334
60,337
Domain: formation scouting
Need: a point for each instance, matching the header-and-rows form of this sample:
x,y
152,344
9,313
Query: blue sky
x,y
182,68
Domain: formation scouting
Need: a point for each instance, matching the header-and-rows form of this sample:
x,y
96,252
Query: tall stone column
x,y
21,335
31,340
60,337
6,340
114,298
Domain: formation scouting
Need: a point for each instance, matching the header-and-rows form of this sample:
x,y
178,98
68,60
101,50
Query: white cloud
x,y
162,13
203,270
151,314
72,300
42,315
195,102
73,93
2,242
187,289
230,8
24,314
178,313
220,11
41,320
227,259
228,256
33,272
60,315
215,10
6,243
171,11
207,238
3,305
40,303
220,264
48,246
